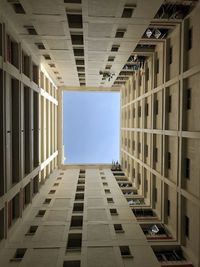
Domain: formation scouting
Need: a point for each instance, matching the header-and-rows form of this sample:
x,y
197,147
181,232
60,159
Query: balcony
x,y
155,232
129,193
144,214
172,257
124,184
135,201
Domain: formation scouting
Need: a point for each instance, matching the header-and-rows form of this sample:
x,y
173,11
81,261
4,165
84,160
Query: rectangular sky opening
x,y
91,127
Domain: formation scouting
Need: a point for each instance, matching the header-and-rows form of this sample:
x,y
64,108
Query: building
x,y
145,212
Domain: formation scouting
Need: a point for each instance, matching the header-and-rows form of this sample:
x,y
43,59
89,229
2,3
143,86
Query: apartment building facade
x,y
160,135
101,215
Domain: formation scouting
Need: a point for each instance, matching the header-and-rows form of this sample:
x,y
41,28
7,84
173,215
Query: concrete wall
x,y
174,131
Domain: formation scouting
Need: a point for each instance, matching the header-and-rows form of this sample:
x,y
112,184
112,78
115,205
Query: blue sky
x,y
91,122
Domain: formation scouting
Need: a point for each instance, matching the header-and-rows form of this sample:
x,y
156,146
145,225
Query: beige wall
x,y
174,130
100,243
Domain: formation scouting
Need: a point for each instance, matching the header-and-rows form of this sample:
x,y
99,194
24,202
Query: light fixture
x,y
149,33
154,229
157,33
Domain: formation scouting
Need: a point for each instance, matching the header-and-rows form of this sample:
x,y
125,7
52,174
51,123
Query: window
x,y
187,226
129,114
170,54
74,242
169,103
40,46
71,263
13,209
187,168
107,191
133,112
147,74
146,150
52,191
156,107
125,251
78,52
128,167
110,200
111,58
134,84
79,196
55,184
12,52
81,69
127,12
188,98
81,181
32,230
170,255
139,111
81,75
155,194
125,164
139,179
168,207
77,38
140,79
78,207
26,195
157,66
128,143
75,20
76,222
18,8
25,64
47,201
80,188
47,57
169,160
115,48
108,67
31,30
59,178
143,212
147,109
146,185
139,147
120,33
133,144
41,213
19,254
35,72
155,154
80,62
103,177
134,172
190,39
118,228
113,212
